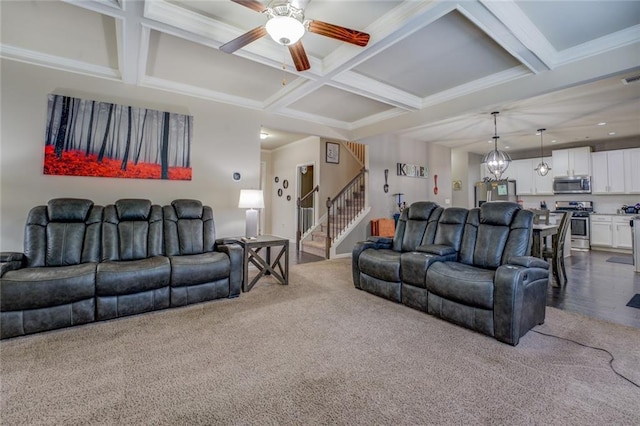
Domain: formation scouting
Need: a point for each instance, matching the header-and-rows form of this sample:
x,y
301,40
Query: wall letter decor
x,y
411,170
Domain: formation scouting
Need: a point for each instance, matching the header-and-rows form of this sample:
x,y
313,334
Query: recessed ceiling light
x,y
602,123
490,141
264,135
612,133
553,141
507,147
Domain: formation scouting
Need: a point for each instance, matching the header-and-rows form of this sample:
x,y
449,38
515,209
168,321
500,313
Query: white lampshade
x,y
251,199
285,29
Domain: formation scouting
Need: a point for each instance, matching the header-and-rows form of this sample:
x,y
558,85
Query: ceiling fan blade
x,y
339,33
299,56
243,40
251,4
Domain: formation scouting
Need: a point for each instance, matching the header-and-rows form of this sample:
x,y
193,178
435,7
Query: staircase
x,y
342,210
357,150
316,243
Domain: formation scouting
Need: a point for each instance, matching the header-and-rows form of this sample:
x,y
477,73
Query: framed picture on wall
x,y
333,153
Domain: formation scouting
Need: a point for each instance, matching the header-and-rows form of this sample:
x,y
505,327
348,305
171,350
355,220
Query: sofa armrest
x,y
519,298
235,253
10,261
9,266
358,248
437,249
11,256
529,262
381,242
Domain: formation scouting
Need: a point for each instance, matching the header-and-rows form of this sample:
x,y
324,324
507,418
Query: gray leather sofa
x,y
200,269
471,267
83,262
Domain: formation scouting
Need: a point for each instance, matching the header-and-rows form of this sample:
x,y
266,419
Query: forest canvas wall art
x,y
92,138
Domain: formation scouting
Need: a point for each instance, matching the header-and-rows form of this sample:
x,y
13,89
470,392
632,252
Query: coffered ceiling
x,y
433,71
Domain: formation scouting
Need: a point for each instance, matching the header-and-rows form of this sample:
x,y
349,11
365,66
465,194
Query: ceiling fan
x,y
286,25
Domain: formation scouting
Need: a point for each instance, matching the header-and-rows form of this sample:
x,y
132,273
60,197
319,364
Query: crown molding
x,y
613,41
198,92
58,62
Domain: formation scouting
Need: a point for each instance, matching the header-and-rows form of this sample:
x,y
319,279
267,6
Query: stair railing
x,y
357,149
303,222
344,207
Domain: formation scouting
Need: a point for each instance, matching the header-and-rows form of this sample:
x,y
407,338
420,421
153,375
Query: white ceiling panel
x,y
175,59
570,23
339,105
61,30
450,52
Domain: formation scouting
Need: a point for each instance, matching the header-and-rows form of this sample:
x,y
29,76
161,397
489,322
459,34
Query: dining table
x,y
540,232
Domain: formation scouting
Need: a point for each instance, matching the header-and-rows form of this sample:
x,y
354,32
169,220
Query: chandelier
x,y
497,161
543,168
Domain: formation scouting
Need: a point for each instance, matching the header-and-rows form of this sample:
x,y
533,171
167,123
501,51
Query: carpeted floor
x,y
317,352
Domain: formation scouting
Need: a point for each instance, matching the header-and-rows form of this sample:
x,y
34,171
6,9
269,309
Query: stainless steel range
x,y
580,224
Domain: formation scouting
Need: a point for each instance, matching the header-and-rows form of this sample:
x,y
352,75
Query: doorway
x,y
306,183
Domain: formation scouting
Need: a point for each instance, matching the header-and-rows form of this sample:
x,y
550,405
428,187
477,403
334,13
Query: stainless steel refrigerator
x,y
495,190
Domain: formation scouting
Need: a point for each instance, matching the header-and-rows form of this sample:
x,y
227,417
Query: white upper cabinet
x,y
528,182
543,184
616,172
572,162
632,172
608,172
522,174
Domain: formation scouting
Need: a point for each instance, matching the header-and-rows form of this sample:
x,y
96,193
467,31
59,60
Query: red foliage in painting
x,y
75,163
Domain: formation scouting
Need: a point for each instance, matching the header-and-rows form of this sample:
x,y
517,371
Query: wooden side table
x,y
252,254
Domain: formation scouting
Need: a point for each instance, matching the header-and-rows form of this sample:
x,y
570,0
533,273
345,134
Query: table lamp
x,y
251,199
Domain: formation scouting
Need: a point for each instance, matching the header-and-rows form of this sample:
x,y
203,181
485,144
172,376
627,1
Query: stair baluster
x,y
300,230
343,208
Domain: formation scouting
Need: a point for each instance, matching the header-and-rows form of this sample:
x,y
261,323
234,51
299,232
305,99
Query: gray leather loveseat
x,y
470,267
83,262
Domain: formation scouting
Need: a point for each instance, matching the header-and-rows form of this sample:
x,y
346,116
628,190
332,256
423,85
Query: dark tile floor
x,y
595,287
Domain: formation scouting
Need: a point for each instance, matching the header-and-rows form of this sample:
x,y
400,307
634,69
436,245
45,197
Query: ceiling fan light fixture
x,y
285,30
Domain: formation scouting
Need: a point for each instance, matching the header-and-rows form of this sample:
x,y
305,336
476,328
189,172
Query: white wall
x,y
384,152
335,176
465,166
283,163
225,140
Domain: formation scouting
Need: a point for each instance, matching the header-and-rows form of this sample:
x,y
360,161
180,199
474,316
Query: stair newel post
x,y
327,240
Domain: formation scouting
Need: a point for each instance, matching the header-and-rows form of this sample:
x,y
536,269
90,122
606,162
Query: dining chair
x,y
556,252
541,217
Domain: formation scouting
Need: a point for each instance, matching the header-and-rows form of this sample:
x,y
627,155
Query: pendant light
x,y
497,161
543,168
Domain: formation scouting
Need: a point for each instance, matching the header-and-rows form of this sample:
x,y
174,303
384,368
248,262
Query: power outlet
x,y
447,201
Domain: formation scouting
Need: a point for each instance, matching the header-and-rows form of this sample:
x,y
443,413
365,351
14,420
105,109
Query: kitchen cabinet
x,y
601,230
571,162
622,232
608,172
632,172
528,182
611,231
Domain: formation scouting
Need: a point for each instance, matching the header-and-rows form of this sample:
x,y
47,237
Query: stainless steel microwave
x,y
572,185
